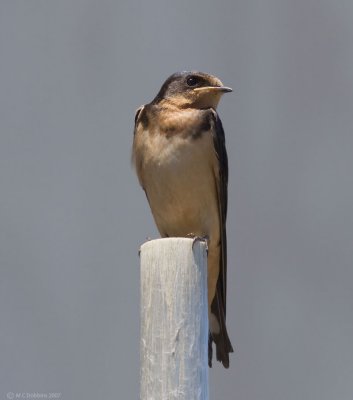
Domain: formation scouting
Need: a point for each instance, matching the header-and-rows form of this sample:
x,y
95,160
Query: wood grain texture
x,y
174,320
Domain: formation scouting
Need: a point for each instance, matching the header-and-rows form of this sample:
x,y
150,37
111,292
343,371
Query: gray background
x,y
72,215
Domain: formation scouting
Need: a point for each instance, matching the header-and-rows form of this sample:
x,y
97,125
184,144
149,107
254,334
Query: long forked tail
x,y
221,338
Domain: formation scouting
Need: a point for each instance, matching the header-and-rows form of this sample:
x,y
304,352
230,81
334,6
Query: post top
x,y
174,241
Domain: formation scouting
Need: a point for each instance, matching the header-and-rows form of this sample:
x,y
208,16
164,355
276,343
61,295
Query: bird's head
x,y
192,90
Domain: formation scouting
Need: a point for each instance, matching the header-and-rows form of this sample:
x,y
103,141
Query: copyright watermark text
x,y
33,395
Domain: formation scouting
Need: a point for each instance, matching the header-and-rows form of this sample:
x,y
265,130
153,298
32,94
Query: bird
x,y
181,162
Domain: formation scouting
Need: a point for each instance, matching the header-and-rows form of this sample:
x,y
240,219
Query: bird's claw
x,y
196,238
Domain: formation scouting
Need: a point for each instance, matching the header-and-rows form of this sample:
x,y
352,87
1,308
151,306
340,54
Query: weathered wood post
x,y
174,320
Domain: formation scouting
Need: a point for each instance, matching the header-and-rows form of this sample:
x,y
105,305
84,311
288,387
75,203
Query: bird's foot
x,y
197,238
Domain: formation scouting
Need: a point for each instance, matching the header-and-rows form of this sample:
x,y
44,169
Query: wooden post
x,y
174,320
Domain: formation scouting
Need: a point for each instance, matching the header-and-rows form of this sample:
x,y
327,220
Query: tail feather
x,y
221,338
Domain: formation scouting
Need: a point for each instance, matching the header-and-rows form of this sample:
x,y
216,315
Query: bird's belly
x,y
181,188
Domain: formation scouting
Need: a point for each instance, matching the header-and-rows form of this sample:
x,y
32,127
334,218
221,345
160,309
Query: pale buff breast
x,y
178,175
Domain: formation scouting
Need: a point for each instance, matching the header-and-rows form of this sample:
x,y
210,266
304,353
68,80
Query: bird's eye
x,y
192,81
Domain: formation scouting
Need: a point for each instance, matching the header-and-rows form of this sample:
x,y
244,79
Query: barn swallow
x,y
181,162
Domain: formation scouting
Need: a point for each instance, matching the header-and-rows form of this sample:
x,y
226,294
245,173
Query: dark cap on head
x,y
188,82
